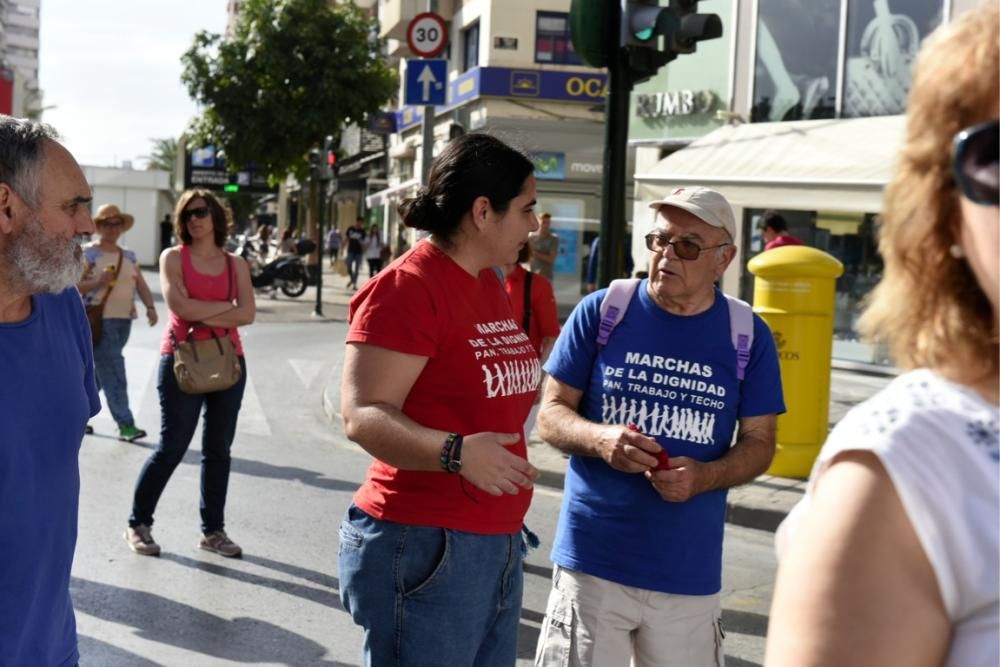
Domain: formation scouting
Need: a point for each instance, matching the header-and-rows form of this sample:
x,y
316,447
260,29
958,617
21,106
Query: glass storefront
x,y
851,238
799,49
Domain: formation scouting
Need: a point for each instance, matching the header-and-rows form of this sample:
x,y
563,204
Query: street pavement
x,y
293,476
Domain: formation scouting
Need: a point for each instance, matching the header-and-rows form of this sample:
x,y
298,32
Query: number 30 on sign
x,y
427,35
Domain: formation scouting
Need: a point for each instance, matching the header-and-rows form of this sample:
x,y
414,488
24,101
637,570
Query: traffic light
x,y
681,27
328,170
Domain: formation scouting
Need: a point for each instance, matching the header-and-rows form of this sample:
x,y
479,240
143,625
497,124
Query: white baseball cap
x,y
707,205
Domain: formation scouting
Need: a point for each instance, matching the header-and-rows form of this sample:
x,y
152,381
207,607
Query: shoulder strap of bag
x,y
527,300
619,296
741,330
229,297
614,305
111,285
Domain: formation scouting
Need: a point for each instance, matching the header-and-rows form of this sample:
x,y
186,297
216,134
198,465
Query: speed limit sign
x,y
427,35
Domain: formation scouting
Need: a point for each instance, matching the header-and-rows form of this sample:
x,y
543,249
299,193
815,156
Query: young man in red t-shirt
x,y
534,305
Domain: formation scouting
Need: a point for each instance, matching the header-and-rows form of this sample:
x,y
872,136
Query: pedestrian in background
x,y
544,248
208,293
355,251
374,248
638,549
438,379
47,390
594,258
111,280
774,231
891,556
333,240
534,305
166,232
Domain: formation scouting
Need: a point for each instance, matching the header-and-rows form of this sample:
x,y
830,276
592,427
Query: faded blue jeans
x,y
431,596
110,366
354,267
179,414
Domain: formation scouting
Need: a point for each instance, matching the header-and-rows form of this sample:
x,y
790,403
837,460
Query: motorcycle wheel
x,y
294,286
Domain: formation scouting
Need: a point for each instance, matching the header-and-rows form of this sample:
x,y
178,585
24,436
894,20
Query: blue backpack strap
x,y
497,270
741,329
614,305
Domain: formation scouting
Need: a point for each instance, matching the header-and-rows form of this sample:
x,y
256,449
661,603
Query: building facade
x,y
797,108
512,72
19,43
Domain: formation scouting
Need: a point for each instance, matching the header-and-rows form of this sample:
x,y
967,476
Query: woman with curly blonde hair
x,y
893,558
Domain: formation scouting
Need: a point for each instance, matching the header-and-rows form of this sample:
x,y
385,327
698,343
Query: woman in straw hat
x,y
111,279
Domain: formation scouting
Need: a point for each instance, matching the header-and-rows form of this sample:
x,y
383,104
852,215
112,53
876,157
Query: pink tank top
x,y
203,287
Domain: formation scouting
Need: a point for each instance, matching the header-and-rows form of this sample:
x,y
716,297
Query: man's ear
x,y
8,202
728,255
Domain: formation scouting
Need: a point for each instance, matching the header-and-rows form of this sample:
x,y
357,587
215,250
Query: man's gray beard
x,y
36,263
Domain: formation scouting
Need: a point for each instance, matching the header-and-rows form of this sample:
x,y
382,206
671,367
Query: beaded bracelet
x,y
448,450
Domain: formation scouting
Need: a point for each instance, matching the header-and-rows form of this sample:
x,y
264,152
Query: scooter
x,y
287,273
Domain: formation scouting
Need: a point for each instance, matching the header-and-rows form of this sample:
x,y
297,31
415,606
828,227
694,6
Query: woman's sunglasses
x,y
974,163
200,212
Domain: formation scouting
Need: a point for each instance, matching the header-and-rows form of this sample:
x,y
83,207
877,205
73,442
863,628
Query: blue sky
x,y
111,70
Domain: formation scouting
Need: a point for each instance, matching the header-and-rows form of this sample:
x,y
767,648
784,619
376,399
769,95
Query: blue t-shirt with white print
x,y
47,394
674,377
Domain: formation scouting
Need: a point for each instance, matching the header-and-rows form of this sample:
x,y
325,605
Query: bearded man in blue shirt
x,y
47,390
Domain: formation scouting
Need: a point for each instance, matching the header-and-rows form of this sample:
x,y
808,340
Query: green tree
x,y
293,72
163,156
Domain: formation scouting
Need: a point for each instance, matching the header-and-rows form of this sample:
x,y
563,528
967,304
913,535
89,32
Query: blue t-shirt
x,y
47,394
675,378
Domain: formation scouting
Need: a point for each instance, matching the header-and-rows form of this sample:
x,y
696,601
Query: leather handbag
x,y
95,313
206,366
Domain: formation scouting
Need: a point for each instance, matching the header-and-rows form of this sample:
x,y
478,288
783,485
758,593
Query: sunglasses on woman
x,y
200,212
974,163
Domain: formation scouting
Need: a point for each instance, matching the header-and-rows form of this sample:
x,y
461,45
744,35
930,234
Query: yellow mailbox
x,y
794,294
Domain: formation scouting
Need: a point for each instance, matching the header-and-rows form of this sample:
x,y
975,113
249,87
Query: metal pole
x,y
611,263
427,149
318,310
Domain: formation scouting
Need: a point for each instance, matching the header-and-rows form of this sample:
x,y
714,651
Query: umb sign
x,y
427,35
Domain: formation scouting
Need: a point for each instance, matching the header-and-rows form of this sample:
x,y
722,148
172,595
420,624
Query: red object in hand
x,y
661,456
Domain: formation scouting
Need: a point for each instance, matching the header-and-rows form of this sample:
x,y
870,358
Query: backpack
x,y
619,296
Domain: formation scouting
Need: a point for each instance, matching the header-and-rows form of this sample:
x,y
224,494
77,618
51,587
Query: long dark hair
x,y
471,166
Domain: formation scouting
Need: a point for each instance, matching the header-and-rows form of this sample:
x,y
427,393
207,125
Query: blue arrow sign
x,y
426,82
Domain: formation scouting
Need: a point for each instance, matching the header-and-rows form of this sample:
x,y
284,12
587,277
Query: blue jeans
x,y
178,419
110,366
431,596
353,267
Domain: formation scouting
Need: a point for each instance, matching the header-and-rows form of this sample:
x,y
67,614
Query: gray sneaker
x,y
218,542
140,540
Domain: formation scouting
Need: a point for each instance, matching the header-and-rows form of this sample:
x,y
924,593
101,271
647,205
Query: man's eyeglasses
x,y
200,212
974,163
683,248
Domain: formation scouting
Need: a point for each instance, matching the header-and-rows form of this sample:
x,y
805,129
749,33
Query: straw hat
x,y
109,211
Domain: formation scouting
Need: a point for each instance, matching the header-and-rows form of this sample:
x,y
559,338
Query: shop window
x,y
881,47
552,40
851,238
470,47
798,46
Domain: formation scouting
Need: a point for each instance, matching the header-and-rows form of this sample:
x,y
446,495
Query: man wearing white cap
x,y
638,548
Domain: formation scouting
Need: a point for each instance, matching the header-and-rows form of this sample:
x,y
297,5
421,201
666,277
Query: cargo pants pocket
x,y
555,641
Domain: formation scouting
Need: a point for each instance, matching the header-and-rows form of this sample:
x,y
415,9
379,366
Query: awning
x,y
839,165
380,197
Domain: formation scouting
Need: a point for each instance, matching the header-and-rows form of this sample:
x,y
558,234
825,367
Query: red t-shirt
x,y
544,316
783,239
481,375
204,287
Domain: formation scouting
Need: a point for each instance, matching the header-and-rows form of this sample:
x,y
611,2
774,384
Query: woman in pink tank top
x,y
206,290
